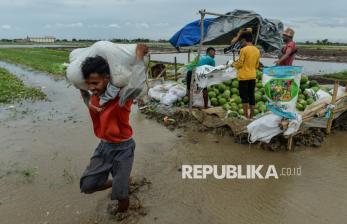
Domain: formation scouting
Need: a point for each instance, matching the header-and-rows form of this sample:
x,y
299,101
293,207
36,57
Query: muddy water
x,y
45,149
309,67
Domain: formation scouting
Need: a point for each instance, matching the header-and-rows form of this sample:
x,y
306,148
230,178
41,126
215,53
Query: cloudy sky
x,y
156,19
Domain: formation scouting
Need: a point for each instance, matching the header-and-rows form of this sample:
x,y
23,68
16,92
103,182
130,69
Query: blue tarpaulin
x,y
190,34
221,30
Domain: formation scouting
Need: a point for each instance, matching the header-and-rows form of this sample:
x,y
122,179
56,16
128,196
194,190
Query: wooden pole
x,y
147,72
290,143
175,64
192,82
333,102
189,56
258,31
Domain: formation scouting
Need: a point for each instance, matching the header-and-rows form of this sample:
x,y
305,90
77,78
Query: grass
x,y
338,76
12,89
41,59
323,47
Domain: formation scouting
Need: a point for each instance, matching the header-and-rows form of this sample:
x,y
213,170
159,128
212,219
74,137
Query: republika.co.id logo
x,y
237,171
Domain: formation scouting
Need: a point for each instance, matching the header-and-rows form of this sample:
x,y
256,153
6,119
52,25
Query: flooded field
x,y
45,147
309,67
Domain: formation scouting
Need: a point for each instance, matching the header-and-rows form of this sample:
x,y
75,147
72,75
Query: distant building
x,y
42,39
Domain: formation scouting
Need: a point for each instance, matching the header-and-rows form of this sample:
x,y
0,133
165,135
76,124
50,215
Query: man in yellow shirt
x,y
246,72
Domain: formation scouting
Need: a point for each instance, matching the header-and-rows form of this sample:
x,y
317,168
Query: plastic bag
x,y
264,128
207,75
198,99
167,93
169,99
282,85
178,91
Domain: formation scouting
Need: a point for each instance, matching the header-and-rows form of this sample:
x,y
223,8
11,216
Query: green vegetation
x,y
41,59
339,76
12,89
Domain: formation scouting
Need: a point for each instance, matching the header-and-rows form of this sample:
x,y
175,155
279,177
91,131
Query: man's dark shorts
x,y
247,91
114,158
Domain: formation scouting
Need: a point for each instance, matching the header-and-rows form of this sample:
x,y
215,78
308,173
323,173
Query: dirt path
x,y
46,145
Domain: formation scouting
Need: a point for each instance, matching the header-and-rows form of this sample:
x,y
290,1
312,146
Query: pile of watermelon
x,y
304,99
227,95
182,102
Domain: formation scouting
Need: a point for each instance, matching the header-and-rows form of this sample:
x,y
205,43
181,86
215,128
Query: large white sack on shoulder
x,y
120,57
79,53
74,75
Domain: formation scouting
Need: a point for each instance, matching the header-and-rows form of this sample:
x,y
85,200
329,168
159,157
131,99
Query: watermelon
x,y
303,103
226,94
301,96
238,100
234,107
258,97
214,101
303,87
313,83
256,111
259,75
221,87
228,82
304,79
235,84
315,88
262,108
233,114
240,106
300,107
212,94
310,101
186,99
259,85
226,106
216,91
234,91
241,112
222,101
264,98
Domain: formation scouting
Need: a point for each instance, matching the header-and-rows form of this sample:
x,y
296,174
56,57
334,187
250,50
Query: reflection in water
x,y
310,67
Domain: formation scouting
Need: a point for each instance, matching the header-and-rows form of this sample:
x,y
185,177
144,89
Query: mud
x,y
45,150
175,118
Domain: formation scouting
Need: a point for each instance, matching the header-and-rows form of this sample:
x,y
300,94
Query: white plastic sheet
x,y
207,75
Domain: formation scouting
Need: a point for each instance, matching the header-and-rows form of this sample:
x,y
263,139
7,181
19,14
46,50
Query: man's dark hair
x,y
247,36
210,49
95,64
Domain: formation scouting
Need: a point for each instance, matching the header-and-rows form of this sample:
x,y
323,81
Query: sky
x,y
160,19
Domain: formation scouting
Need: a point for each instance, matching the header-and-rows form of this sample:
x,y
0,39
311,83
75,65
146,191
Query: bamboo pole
x,y
192,81
175,66
147,72
290,143
258,31
333,102
189,56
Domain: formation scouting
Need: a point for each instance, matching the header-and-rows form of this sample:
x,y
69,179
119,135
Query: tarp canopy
x,y
190,34
220,30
